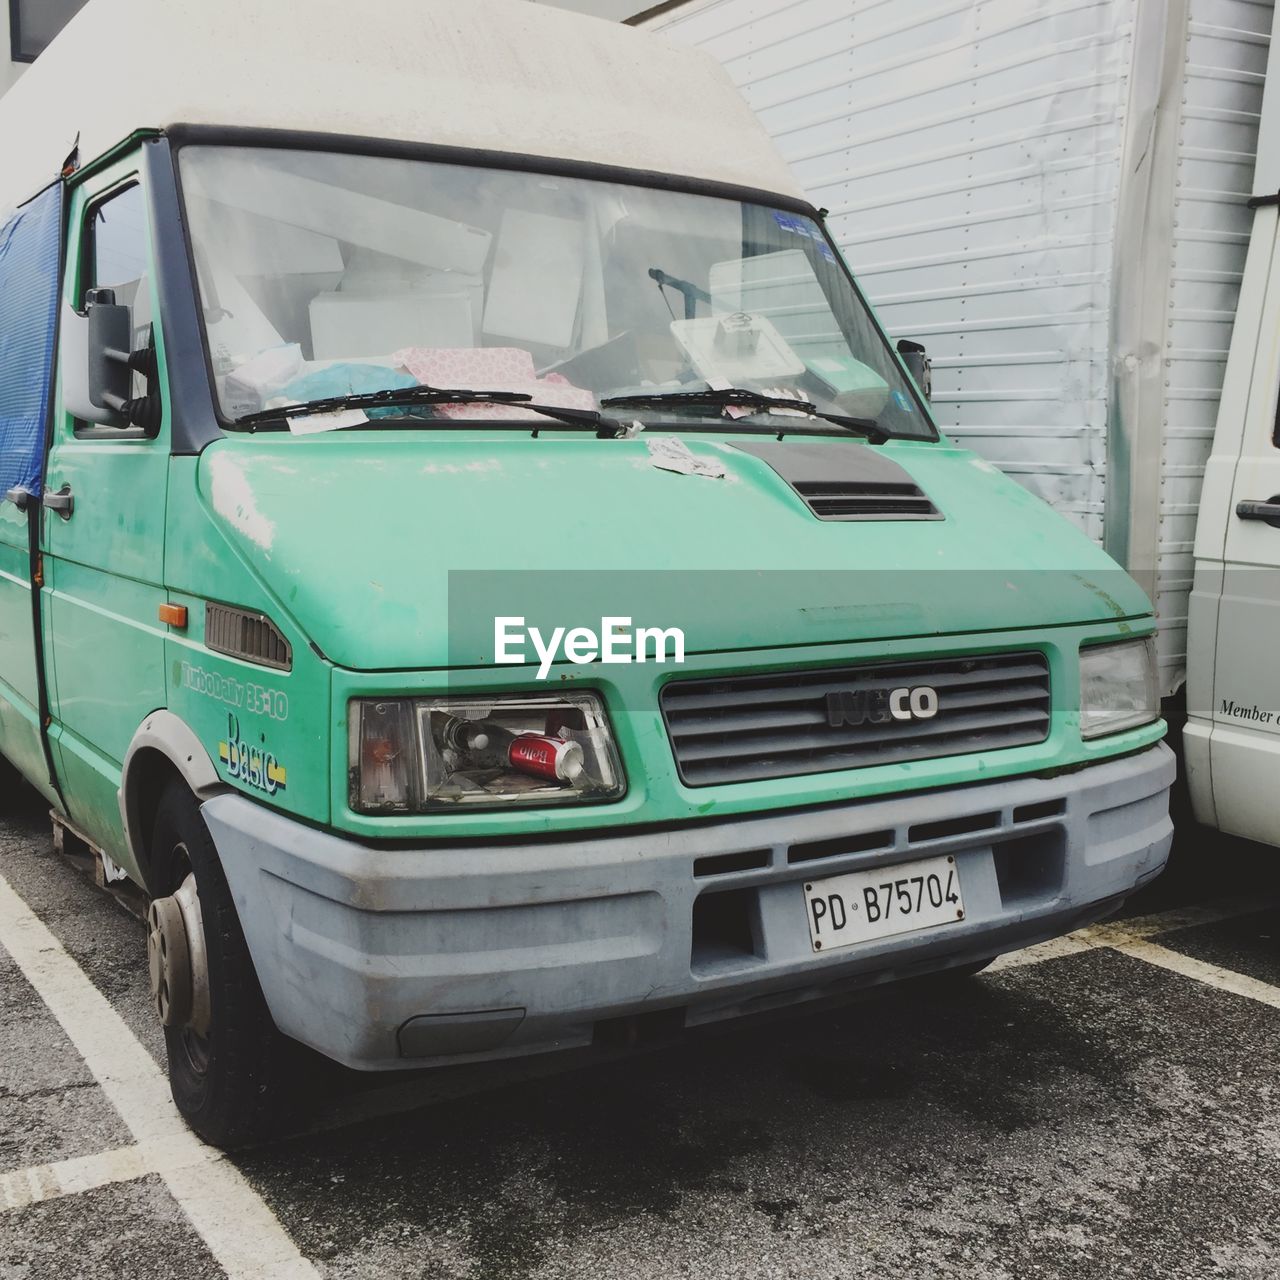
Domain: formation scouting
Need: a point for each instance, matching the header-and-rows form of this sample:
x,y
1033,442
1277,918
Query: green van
x,y
470,554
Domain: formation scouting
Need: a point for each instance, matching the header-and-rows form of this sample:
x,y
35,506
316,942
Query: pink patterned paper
x,y
490,369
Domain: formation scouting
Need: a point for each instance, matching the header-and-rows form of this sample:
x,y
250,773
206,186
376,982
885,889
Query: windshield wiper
x,y
755,400
410,397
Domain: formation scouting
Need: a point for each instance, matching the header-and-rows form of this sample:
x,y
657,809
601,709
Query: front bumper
x,y
384,958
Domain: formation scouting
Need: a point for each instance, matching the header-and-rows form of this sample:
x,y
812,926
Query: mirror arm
x,y
118,404
145,412
145,362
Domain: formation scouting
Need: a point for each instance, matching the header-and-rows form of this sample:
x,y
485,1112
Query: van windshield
x,y
325,275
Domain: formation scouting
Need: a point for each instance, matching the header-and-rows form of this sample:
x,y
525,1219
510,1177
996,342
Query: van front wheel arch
x,y
230,1069
164,750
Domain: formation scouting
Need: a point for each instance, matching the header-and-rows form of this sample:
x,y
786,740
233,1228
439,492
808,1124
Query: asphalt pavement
x,y
1106,1106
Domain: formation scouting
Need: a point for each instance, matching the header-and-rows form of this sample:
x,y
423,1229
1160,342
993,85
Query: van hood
x,y
396,551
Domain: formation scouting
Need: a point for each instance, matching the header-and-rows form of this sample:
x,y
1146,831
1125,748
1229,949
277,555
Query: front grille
x,y
747,728
835,500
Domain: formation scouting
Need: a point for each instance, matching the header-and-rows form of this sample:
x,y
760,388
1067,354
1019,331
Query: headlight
x,y
1117,687
416,755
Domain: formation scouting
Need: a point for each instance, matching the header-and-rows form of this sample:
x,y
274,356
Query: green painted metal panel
x,y
357,536
19,718
104,584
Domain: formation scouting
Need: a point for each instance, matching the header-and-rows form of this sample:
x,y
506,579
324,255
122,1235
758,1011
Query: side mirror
x,y
919,366
96,378
110,338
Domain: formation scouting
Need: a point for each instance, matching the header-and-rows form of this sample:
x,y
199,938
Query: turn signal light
x,y
174,614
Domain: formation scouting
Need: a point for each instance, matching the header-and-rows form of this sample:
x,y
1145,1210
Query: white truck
x,y
1073,205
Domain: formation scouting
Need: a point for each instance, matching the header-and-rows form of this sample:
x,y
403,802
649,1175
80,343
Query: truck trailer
x,y
1073,207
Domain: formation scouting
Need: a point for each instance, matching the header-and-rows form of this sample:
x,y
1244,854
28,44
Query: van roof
x,y
498,75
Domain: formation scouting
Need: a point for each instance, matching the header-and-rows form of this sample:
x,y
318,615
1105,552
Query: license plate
x,y
863,905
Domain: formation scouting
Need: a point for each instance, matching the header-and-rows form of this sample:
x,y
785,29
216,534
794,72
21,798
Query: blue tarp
x,y
30,244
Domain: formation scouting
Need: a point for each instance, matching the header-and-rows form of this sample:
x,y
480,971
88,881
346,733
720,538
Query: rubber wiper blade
x,y
409,397
391,398
605,427
869,428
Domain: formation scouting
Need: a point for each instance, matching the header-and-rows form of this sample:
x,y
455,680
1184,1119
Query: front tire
x,y
229,1066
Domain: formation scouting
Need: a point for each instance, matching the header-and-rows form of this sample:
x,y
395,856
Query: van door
x,y
20,738
1233,696
104,541
30,261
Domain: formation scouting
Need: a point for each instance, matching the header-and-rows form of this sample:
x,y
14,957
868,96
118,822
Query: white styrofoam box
x,y
535,288
783,288
346,325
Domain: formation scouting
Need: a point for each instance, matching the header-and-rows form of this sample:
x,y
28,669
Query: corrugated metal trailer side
x,y
1050,195
1218,109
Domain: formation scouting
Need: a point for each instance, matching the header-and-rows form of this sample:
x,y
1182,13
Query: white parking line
x,y
1211,975
1070,944
235,1222
69,1177
1117,934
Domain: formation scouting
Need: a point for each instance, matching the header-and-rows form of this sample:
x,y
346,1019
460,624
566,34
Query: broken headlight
x,y
422,754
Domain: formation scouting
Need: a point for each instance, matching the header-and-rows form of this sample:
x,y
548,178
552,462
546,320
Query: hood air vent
x,y
240,633
832,500
846,481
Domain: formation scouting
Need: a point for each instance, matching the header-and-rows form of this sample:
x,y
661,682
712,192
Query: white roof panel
x,y
500,75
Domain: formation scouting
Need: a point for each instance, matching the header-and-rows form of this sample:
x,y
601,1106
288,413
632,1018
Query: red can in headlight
x,y
545,757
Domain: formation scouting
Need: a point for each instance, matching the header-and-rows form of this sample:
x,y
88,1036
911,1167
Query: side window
x,y
33,23
116,258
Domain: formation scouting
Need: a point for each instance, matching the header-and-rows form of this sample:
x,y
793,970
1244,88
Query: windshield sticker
x,y
797,226
670,454
254,766
314,423
903,401
736,411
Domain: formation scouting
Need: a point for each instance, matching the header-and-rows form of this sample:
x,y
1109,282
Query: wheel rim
x,y
169,962
193,1026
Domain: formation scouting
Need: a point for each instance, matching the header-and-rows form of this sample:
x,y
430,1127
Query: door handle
x,y
19,497
1268,511
63,502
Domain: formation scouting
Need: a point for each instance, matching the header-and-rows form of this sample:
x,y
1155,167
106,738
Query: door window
x,y
116,257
